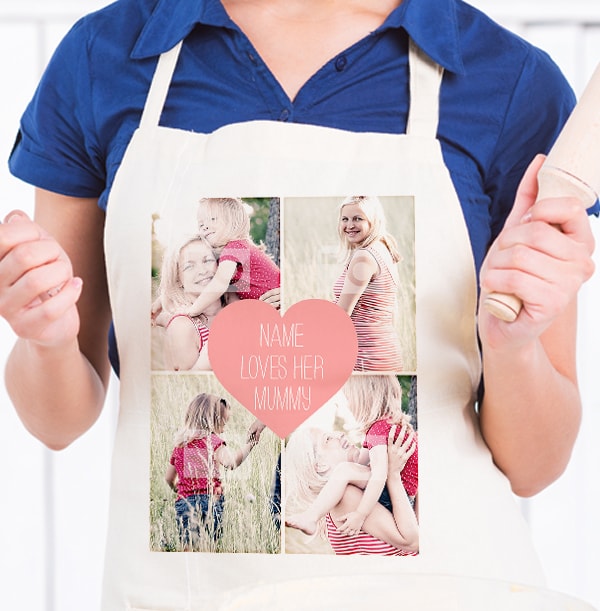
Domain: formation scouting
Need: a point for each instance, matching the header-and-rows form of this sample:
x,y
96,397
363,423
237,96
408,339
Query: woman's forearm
x,y
531,411
57,393
399,529
343,475
376,482
404,515
58,371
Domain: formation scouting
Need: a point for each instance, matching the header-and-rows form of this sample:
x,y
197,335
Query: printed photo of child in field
x,y
209,471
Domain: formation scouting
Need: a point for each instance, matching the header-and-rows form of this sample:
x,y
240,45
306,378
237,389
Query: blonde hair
x,y
374,213
171,291
234,218
375,397
305,476
204,415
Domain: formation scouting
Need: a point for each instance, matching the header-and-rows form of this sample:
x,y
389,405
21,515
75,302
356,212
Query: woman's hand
x,y
401,450
58,370
272,297
543,255
156,313
38,292
351,524
255,431
531,409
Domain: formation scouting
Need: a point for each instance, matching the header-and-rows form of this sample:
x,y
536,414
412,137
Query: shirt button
x,y
252,57
341,62
284,115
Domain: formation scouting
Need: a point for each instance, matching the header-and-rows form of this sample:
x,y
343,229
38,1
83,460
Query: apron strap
x,y
425,82
161,81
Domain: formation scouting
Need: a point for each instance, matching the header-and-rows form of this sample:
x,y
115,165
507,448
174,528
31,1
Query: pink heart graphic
x,y
282,368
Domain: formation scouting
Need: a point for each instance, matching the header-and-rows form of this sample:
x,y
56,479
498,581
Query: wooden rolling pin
x,y
572,169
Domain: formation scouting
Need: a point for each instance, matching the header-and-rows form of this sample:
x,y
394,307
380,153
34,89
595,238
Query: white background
x,y
53,506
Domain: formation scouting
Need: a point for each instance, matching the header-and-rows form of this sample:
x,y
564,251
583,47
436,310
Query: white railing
x,y
53,506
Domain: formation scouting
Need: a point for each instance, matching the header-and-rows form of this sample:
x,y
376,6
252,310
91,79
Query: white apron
x,y
470,523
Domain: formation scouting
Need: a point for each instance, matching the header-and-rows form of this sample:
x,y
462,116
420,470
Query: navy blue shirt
x,y
502,100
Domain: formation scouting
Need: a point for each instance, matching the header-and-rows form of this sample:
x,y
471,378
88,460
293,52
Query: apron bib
x,y
470,524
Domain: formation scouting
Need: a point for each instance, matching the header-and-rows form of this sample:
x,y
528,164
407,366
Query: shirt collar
x,y
432,24
172,20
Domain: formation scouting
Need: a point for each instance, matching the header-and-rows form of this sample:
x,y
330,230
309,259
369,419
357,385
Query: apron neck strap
x,y
425,82
161,81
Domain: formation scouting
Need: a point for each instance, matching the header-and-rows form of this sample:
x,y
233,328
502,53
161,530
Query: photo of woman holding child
x,y
362,499
202,272
384,532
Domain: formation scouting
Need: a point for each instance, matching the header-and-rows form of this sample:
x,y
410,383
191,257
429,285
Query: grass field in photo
x,y
248,524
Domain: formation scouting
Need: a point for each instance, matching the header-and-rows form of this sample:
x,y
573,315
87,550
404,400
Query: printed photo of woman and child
x,y
351,484
213,466
230,253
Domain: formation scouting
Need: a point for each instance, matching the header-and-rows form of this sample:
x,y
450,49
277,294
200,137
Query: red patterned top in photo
x,y
197,469
201,328
256,272
377,435
373,318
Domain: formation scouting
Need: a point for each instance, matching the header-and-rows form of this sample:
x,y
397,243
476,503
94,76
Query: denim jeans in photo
x,y
198,514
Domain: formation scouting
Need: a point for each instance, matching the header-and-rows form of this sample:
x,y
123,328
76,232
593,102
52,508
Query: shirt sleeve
x,y
410,473
377,435
238,252
540,104
234,251
217,442
55,148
